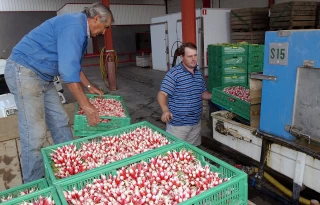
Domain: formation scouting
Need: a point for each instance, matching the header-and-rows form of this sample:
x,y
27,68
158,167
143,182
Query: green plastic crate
x,y
229,60
256,59
227,80
235,49
230,69
232,192
49,173
231,103
82,128
15,191
257,67
29,198
255,48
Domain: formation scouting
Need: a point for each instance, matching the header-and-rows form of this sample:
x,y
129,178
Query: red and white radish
x,y
69,160
239,92
165,180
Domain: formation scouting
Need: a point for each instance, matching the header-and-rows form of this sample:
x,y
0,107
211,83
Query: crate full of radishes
x,y
71,159
112,111
236,99
179,174
22,190
46,196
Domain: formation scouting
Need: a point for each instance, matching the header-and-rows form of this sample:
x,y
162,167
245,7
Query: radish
x,y
239,92
150,182
69,160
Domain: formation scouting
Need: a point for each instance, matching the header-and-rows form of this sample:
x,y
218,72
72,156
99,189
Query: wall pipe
x,y
188,20
110,65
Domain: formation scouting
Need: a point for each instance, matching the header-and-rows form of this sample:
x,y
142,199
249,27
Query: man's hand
x,y
95,90
92,115
166,116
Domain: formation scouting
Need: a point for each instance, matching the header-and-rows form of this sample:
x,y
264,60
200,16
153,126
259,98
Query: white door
x,y
198,39
159,46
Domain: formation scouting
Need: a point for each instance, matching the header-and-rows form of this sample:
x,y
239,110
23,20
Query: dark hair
x,y
98,9
186,45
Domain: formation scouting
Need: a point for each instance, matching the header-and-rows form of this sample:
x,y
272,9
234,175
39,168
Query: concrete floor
x,y
139,87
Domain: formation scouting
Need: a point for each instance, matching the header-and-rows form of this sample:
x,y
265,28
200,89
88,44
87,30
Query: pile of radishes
x,y
21,193
106,107
169,179
40,201
69,160
238,91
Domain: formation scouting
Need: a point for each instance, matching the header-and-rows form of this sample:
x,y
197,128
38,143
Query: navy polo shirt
x,y
184,95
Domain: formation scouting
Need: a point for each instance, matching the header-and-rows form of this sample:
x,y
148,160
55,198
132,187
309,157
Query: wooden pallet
x,y
249,19
292,25
293,15
256,37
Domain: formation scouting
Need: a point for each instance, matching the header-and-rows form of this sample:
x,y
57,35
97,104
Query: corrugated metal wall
x,y
175,5
124,14
55,5
239,4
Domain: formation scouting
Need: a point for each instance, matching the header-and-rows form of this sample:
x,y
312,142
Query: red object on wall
x,y
204,11
188,18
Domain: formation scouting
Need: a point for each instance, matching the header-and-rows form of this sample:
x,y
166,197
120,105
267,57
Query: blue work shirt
x,y
55,48
184,95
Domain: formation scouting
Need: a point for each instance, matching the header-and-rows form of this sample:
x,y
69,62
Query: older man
x,y
180,97
54,48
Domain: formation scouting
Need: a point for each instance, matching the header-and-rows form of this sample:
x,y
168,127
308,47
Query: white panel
x,y
158,45
55,5
250,149
123,14
311,173
216,29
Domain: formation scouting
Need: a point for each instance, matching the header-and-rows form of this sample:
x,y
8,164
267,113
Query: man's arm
x,y
90,111
163,102
91,88
206,95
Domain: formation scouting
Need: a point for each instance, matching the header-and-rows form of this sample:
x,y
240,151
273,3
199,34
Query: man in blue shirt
x,y
180,97
54,48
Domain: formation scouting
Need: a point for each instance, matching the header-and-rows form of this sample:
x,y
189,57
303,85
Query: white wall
x,y
55,5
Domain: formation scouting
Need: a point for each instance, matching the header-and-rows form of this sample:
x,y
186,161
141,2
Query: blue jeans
x,y
38,106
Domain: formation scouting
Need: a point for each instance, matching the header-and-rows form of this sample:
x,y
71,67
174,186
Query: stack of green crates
x,y
231,65
255,58
227,64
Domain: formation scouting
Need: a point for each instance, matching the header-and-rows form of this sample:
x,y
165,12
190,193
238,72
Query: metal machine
x,y
290,106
